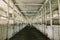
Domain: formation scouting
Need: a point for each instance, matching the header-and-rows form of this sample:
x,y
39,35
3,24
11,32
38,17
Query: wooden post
x,y
51,18
59,17
41,20
8,20
13,17
59,10
45,18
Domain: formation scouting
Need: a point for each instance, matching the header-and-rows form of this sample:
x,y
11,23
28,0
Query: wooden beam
x,y
32,4
29,11
50,12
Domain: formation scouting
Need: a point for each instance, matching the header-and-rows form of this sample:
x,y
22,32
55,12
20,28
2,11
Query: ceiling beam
x,y
29,11
29,4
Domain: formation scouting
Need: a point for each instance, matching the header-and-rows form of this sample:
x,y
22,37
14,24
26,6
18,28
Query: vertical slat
x,y
51,17
1,32
45,19
59,9
42,18
58,33
50,12
59,15
13,21
45,16
8,19
42,21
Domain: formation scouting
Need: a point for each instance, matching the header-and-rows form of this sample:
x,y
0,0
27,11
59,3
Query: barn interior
x,y
29,19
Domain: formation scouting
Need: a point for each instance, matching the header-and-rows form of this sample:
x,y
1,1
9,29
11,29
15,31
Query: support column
x,y
59,18
45,19
59,10
8,20
51,19
13,21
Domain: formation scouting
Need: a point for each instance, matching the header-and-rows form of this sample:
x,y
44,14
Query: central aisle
x,y
29,33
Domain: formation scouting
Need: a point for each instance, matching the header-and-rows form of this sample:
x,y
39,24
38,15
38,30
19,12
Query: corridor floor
x,y
29,33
